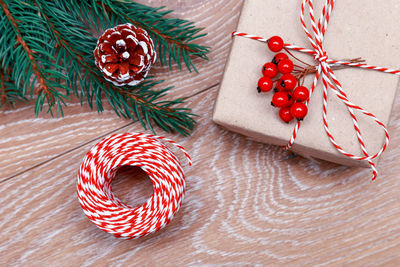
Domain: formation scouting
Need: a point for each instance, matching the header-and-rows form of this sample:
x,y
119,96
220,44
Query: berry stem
x,y
313,69
290,53
298,67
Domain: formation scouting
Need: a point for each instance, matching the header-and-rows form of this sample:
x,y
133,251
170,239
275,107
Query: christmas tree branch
x,y
173,37
90,68
43,86
3,95
32,55
50,48
170,39
162,113
130,102
9,93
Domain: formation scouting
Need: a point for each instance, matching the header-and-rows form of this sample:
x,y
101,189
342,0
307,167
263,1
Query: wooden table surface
x,y
246,203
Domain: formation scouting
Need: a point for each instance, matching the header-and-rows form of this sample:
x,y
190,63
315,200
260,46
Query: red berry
x,y
270,70
275,44
291,100
285,66
288,81
278,87
299,110
278,57
285,115
280,99
301,93
265,84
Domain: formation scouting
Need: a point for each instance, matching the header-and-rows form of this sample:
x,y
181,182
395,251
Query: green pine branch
x,y
53,46
30,55
9,93
173,37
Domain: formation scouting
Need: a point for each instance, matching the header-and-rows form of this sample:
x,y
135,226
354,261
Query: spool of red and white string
x,y
99,167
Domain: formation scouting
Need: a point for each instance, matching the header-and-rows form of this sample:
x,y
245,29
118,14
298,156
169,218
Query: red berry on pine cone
x,y
299,110
301,93
285,115
288,81
281,99
270,70
265,84
125,54
278,57
275,44
285,66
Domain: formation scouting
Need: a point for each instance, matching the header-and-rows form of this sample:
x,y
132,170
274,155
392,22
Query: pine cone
x,y
124,54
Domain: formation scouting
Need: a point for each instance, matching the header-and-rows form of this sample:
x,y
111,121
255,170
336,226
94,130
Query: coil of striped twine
x,y
329,80
99,167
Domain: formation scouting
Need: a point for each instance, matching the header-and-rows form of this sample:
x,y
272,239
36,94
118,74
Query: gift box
x,y
369,30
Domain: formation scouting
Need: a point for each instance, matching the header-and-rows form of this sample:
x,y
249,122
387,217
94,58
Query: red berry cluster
x,y
289,96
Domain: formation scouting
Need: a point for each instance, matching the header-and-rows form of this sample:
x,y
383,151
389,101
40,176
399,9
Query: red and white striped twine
x,y
99,167
329,79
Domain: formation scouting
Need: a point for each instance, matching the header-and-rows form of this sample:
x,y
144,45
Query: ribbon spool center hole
x,y
132,186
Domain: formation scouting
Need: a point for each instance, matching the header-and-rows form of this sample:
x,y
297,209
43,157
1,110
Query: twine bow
x,y
329,80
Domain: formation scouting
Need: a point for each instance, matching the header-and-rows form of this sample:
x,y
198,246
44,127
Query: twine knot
x,y
321,57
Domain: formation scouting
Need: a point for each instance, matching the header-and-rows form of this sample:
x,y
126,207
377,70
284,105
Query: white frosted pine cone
x,y
125,54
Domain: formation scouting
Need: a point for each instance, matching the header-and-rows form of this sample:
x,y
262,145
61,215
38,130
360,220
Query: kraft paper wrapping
x,y
367,29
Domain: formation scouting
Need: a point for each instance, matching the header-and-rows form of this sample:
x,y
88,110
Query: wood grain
x,y
246,203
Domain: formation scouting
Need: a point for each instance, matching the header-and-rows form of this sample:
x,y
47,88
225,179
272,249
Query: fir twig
x,y
63,28
8,92
173,37
31,54
43,86
2,89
